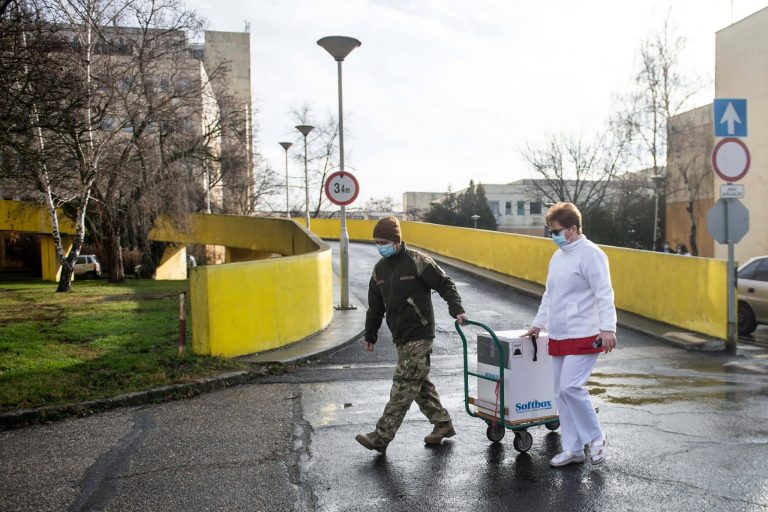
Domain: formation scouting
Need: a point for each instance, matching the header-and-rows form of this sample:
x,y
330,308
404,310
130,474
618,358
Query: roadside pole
x,y
728,219
730,343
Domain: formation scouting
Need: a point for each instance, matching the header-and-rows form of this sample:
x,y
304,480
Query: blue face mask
x,y
386,250
559,238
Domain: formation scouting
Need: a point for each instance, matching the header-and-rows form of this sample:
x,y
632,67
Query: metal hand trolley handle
x,y
496,426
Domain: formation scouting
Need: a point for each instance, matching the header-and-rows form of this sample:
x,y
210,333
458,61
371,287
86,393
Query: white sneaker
x,y
565,458
598,451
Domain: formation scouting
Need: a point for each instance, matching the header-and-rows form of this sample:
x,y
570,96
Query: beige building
x,y
690,181
741,71
417,204
234,49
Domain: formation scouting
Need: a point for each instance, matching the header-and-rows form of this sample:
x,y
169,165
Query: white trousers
x,y
578,420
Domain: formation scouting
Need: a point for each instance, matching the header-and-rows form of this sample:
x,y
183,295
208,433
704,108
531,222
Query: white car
x,y
87,266
753,294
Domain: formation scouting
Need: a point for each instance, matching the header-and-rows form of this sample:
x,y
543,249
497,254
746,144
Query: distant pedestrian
x,y
666,248
400,288
683,250
577,309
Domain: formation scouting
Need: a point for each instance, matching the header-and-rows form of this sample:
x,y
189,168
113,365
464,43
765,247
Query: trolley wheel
x,y
523,441
495,432
552,425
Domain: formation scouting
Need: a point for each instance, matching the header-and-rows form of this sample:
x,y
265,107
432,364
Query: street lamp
x,y
339,47
474,218
657,179
305,129
286,145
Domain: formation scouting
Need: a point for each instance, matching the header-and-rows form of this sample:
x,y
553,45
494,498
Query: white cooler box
x,y
528,387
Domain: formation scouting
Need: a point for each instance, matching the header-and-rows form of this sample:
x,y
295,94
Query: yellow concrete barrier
x,y
682,291
28,217
252,306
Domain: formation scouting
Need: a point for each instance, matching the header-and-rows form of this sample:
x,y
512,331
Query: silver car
x,y
87,265
753,294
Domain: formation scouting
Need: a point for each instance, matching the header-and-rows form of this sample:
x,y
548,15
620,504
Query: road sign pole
x,y
344,250
344,236
730,344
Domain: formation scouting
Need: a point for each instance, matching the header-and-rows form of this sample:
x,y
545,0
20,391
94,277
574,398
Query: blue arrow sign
x,y
730,117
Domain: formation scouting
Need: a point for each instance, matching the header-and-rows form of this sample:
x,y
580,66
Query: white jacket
x,y
578,299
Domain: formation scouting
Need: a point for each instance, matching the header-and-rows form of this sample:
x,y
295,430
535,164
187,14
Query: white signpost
x,y
341,188
730,159
728,219
731,191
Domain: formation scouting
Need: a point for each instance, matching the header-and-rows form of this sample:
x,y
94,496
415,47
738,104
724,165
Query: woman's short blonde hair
x,y
565,214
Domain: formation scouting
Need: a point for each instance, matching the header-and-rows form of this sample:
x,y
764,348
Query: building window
x,y
521,207
508,208
494,206
535,208
108,123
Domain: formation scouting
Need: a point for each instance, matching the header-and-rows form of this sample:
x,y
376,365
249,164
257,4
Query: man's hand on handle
x,y
368,346
462,318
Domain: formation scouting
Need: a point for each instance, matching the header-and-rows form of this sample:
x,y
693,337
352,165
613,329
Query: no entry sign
x,y
341,188
730,159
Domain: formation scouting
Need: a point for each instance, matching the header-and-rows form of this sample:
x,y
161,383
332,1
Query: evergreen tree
x,y
458,209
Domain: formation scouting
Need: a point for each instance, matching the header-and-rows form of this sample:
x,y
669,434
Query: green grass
x,y
97,341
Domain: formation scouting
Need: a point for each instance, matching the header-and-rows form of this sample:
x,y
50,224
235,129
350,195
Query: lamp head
x,y
305,129
286,145
339,46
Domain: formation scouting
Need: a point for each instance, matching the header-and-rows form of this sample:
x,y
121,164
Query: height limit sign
x,y
341,188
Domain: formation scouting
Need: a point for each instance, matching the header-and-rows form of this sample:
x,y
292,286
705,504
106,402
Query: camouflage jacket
x,y
401,287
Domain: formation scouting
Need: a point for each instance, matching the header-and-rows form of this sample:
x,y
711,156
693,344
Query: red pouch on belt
x,y
574,346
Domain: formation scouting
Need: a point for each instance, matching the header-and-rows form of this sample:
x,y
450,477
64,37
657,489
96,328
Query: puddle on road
x,y
644,389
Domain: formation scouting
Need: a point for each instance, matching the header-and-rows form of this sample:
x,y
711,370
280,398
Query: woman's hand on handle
x,y
533,331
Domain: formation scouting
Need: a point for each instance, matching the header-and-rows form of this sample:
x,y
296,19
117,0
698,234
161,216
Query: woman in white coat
x,y
578,311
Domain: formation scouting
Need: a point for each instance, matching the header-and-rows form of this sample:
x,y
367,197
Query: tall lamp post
x,y
305,129
339,47
658,180
474,218
286,145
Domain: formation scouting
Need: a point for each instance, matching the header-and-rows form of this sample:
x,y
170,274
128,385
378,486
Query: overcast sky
x,y
441,92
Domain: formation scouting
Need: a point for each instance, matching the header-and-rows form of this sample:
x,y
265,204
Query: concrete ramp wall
x,y
683,291
252,306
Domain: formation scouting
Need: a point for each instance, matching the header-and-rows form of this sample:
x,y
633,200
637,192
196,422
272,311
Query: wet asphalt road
x,y
685,432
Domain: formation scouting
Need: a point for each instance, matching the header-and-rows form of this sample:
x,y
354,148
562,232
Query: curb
x,y
29,417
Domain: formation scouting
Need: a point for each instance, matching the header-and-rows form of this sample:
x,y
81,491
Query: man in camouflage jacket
x,y
400,288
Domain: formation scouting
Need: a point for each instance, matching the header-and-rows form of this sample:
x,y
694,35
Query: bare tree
x,y
381,204
661,91
52,75
689,177
168,160
322,153
577,171
261,183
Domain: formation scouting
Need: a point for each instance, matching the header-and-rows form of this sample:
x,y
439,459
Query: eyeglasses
x,y
557,232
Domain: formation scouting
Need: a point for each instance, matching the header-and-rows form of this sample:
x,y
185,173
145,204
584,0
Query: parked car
x,y
87,266
753,294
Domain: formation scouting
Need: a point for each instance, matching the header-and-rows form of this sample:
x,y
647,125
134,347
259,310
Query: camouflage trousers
x,y
411,382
